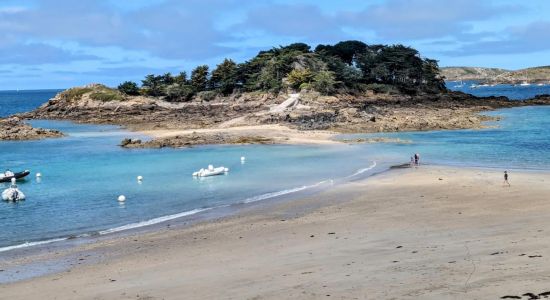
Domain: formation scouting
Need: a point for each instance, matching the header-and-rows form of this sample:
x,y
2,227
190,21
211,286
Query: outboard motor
x,y
12,193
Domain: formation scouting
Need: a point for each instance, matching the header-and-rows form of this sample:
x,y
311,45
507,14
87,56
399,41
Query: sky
x,y
64,43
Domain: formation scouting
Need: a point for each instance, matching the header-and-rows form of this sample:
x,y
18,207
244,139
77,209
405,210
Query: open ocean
x,y
84,173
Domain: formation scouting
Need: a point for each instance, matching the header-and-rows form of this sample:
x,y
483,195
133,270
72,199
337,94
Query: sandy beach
x,y
426,233
277,133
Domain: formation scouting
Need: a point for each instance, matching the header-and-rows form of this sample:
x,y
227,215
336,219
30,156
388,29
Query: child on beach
x,y
506,179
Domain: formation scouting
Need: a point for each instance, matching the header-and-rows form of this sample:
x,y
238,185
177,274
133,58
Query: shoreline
x,y
334,210
197,215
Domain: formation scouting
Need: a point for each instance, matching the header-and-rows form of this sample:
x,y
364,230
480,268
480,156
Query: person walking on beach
x,y
506,179
416,159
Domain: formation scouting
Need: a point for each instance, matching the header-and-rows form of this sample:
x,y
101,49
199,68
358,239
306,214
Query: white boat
x,y
460,84
13,194
211,171
525,84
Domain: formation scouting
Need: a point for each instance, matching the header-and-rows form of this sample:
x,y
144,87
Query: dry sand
x,y
427,233
279,133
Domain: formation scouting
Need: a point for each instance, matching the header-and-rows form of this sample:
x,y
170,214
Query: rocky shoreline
x,y
194,139
365,113
14,129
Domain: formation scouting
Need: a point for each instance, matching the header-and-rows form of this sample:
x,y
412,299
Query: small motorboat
x,y
210,171
13,194
6,177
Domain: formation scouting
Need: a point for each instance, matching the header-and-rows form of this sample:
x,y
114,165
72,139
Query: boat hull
x,y
16,176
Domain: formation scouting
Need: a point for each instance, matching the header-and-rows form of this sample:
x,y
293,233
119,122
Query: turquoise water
x,y
85,172
520,140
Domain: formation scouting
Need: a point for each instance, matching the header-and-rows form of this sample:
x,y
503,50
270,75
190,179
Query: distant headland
x,y
533,75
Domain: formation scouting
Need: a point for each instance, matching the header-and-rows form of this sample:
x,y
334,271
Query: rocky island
x,y
290,94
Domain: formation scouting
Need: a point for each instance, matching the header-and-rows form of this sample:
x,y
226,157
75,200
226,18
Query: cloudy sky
x,y
62,43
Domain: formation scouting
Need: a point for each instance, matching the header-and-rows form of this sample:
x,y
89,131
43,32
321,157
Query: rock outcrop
x,y
189,140
13,129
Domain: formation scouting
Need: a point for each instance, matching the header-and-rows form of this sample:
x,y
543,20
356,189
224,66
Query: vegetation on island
x,y
346,67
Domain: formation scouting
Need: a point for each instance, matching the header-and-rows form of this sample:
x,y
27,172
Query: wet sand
x,y
426,233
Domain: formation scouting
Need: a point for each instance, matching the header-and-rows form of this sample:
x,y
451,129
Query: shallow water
x,y
84,173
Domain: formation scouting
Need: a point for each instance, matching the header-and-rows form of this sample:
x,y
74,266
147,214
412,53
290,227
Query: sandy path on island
x,y
427,233
279,133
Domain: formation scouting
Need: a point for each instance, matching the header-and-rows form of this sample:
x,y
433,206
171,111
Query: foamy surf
x,y
153,221
283,192
361,171
31,244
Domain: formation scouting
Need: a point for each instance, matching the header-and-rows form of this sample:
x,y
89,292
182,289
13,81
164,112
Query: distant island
x,y
498,76
276,96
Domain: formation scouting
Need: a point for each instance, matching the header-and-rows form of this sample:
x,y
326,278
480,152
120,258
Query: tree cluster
x,y
347,66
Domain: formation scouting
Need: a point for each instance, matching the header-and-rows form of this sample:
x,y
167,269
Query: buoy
x,y
121,198
140,178
13,180
243,158
38,174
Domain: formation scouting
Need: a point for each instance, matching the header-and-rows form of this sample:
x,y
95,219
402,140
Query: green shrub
x,y
75,93
178,93
380,88
106,95
207,95
129,88
298,77
324,82
305,86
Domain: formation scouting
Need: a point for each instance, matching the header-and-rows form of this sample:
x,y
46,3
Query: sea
x,y
85,172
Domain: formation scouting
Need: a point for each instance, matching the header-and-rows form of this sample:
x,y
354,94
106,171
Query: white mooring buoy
x,y
38,174
140,178
121,198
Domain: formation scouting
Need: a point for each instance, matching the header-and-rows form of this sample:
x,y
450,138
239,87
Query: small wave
x,y
153,221
186,213
31,244
361,171
283,192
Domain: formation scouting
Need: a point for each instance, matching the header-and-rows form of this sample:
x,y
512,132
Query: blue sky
x,y
62,43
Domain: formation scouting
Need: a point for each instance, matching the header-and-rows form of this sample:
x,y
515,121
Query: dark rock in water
x,y
401,166
130,143
14,129
195,139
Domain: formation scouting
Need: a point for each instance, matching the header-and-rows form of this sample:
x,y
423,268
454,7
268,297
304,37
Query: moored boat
x,y
13,194
211,171
6,177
